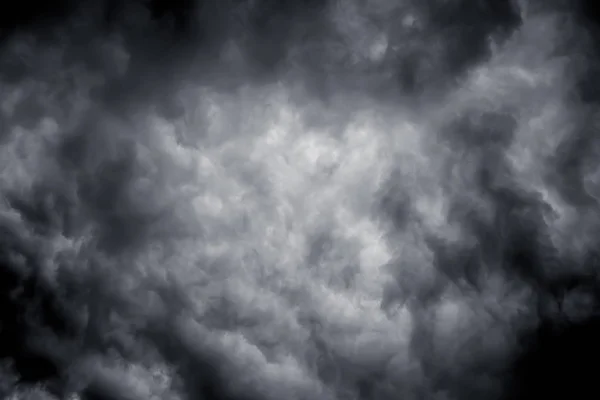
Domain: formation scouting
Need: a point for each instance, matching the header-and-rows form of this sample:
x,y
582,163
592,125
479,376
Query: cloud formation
x,y
304,200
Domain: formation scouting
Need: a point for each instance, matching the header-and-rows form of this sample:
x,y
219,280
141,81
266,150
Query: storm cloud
x,y
299,199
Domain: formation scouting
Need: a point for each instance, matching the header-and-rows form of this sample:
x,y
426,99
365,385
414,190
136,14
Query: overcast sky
x,y
328,200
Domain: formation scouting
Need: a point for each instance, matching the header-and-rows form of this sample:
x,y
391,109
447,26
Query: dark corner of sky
x,y
310,199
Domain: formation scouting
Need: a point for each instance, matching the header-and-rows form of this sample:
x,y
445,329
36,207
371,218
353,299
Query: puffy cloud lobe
x,y
249,200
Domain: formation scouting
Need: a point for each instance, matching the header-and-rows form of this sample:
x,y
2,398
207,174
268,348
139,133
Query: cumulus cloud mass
x,y
310,199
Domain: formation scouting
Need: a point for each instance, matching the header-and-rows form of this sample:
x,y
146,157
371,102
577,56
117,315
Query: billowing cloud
x,y
305,200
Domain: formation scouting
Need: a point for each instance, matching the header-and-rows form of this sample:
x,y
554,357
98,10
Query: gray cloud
x,y
324,200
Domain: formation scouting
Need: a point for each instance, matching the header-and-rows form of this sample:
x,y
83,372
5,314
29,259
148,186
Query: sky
x,y
311,199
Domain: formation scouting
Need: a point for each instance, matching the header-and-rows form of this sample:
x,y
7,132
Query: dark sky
x,y
261,199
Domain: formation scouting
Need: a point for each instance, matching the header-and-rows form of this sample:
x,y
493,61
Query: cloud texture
x,y
298,200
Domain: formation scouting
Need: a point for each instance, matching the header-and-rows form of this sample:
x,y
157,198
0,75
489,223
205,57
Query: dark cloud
x,y
315,199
